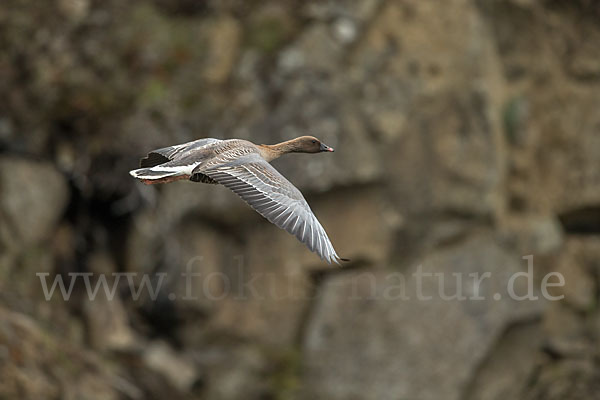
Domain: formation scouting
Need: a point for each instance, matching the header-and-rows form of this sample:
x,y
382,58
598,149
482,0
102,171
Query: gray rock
x,y
430,100
557,152
360,10
579,289
225,34
233,371
316,49
577,263
322,106
199,266
448,122
156,237
509,366
179,371
276,266
453,145
536,235
42,365
107,323
75,10
268,291
34,196
565,332
376,216
566,380
364,340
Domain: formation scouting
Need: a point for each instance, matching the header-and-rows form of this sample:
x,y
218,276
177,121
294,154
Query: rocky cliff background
x,y
467,135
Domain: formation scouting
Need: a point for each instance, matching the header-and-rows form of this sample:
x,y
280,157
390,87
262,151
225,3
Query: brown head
x,y
307,144
302,144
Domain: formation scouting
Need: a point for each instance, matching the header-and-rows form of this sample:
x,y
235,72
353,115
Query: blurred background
x,y
467,135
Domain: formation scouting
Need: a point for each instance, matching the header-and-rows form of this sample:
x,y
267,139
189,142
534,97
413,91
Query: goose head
x,y
309,144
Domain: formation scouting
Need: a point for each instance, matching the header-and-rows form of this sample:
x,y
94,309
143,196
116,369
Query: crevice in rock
x,y
515,342
584,220
585,10
185,8
342,190
318,278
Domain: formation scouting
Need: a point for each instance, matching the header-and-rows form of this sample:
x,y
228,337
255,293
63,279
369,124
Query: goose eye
x,y
314,141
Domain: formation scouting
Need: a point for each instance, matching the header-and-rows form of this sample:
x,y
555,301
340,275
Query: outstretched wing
x,y
166,154
275,198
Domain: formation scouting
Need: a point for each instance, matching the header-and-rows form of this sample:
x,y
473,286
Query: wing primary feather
x,y
286,220
295,223
271,195
303,230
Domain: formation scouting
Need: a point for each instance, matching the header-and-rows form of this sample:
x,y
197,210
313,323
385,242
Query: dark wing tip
x,y
345,259
152,160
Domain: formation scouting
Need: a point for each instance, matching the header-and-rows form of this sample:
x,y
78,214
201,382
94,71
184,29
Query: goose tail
x,y
158,174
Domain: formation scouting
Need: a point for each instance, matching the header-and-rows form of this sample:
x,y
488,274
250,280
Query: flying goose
x,y
243,167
